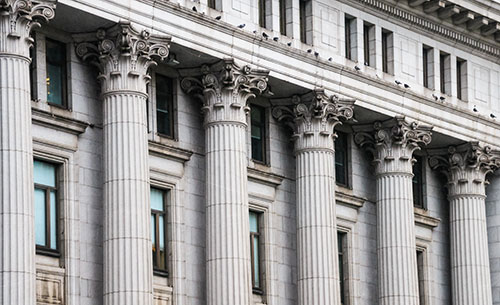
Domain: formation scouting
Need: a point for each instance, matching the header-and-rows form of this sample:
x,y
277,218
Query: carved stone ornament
x,y
393,140
20,17
225,88
123,56
466,167
313,117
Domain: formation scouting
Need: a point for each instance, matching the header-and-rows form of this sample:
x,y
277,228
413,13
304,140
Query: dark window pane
x,y
255,249
418,182
158,229
164,105
258,132
341,159
45,201
340,239
56,72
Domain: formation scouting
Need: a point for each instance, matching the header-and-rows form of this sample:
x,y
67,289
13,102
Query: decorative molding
x,y
171,152
58,122
429,26
349,200
224,88
50,287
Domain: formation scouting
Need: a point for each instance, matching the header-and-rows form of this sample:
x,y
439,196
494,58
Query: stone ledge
x,y
59,122
421,218
264,177
349,200
170,152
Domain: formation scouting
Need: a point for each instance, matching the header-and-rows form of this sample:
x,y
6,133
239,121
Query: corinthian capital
x,y
393,140
123,55
18,18
466,167
225,88
313,117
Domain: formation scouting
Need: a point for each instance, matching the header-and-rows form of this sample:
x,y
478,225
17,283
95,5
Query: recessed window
x,y
306,22
461,79
422,291
258,133
255,251
341,159
164,106
350,37
283,17
265,16
46,207
369,44
418,183
215,4
387,52
445,73
428,66
341,241
56,72
33,83
159,229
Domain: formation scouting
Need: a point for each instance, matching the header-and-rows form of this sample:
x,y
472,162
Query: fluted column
x,y
17,235
123,56
392,144
466,167
224,89
313,118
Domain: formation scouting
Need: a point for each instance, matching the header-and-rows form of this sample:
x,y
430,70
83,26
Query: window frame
x,y
387,51
64,93
170,105
282,16
264,131
420,163
347,167
41,249
445,73
166,193
343,261
257,290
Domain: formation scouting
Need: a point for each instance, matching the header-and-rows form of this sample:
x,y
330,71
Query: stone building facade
x,y
230,152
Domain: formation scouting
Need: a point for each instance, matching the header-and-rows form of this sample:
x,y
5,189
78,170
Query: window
x,y
255,251
350,37
56,72
46,207
461,79
283,17
369,44
305,14
159,229
445,73
428,66
258,133
418,183
341,240
215,4
387,52
164,106
33,87
421,277
263,13
341,159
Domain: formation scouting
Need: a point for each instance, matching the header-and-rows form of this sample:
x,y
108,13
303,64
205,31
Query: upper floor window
x,y
306,21
461,79
258,133
369,44
350,37
341,159
387,52
445,73
428,66
255,250
56,72
265,15
159,229
164,106
215,4
418,182
341,241
46,207
284,16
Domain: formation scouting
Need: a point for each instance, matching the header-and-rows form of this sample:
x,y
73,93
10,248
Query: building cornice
x,y
430,27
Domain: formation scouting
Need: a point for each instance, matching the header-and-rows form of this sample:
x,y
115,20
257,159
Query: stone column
x,y
17,235
466,167
313,118
124,56
392,144
225,89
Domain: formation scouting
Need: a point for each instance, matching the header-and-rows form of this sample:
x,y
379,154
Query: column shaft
x,y
316,228
127,241
470,266
17,248
228,254
396,250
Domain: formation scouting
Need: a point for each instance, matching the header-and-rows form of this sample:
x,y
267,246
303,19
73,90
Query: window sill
x,y
167,150
422,218
47,252
257,291
60,119
160,273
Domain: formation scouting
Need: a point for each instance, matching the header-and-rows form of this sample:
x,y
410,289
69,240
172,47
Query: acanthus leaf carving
x,y
123,55
224,88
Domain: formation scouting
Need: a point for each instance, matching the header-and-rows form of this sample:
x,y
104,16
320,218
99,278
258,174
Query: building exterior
x,y
230,152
